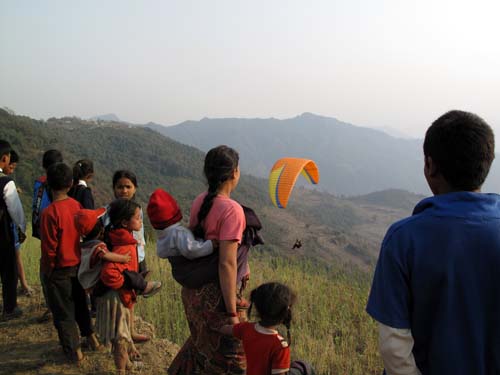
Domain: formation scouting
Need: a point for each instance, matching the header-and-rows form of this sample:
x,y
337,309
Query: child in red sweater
x,y
94,252
266,351
114,307
59,265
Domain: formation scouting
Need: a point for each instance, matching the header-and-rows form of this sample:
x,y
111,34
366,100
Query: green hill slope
x,y
330,328
331,229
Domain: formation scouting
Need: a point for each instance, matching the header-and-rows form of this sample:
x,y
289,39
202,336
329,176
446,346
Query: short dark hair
x,y
462,145
14,157
5,148
51,157
59,176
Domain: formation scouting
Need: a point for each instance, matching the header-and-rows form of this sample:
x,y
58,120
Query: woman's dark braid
x,y
208,201
220,164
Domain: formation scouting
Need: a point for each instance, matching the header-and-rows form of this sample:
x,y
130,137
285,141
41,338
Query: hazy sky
x,y
374,63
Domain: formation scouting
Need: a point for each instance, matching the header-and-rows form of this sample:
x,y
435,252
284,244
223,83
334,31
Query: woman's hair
x,y
82,169
273,302
220,164
121,209
124,174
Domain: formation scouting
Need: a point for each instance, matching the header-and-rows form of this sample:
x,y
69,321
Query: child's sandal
x,y
155,288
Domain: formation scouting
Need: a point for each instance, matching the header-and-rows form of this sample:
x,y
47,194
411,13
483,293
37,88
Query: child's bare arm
x,y
226,329
117,258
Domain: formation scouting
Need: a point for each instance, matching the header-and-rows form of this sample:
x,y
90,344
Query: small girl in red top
x,y
266,351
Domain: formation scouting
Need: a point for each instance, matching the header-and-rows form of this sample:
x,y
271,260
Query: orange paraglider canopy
x,y
284,174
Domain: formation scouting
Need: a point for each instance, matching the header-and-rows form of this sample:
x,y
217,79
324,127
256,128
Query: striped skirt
x,y
112,319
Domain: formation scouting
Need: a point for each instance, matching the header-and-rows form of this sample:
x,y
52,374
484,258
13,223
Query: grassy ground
x,y
330,329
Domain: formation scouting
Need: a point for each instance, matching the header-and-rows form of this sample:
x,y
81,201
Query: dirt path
x,y
28,348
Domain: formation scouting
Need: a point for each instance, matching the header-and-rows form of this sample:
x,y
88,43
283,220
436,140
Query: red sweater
x,y
122,242
266,351
58,234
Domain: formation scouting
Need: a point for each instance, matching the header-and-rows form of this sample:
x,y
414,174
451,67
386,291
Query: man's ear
x,y
430,166
5,159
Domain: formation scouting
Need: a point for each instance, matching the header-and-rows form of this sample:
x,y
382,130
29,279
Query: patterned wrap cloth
x,y
207,351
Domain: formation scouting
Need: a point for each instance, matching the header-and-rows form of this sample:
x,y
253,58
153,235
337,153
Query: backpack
x,y
42,198
301,368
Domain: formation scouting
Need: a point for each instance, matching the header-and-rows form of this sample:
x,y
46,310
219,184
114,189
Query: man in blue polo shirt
x,y
435,292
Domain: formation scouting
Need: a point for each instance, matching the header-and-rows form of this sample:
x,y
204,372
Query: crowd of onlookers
x,y
435,293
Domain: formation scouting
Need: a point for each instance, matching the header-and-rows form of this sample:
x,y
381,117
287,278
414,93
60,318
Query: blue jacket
x,y
437,274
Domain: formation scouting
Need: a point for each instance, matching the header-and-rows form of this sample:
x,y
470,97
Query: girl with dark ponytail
x,y
83,172
215,216
266,351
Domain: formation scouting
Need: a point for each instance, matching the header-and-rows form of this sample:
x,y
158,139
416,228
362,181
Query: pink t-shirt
x,y
224,222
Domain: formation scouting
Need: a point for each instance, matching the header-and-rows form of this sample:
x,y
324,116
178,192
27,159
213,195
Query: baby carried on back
x,y
194,261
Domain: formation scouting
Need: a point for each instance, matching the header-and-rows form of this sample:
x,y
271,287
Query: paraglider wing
x,y
284,174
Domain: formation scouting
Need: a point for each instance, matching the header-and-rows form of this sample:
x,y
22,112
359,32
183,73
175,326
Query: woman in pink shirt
x,y
215,216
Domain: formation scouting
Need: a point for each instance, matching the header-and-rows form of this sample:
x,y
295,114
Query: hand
x,y
22,237
234,320
126,258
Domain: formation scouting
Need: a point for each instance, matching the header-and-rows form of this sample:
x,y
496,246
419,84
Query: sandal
x,y
152,288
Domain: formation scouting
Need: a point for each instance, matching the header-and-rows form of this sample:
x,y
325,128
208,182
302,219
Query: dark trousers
x,y
44,287
42,283
8,273
67,302
134,280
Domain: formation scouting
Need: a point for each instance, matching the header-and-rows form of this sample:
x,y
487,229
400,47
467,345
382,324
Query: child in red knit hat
x,y
173,238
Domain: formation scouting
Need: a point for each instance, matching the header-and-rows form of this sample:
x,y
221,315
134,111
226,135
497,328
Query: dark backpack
x,y
301,368
42,198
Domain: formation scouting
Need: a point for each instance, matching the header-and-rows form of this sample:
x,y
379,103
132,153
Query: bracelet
x,y
232,314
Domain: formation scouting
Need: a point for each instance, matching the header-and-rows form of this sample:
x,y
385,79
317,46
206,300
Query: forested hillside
x,y
333,230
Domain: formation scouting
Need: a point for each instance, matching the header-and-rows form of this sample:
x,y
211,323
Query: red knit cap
x,y
163,210
86,220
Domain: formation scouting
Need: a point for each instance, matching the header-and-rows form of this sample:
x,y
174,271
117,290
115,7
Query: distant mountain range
x,y
352,160
332,230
